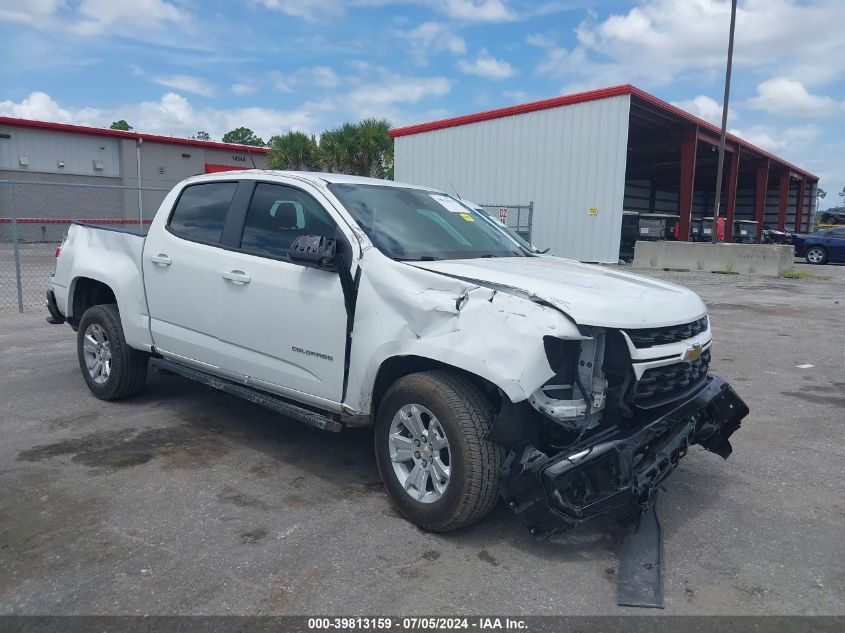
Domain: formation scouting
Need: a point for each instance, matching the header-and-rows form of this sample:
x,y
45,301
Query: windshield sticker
x,y
467,217
450,204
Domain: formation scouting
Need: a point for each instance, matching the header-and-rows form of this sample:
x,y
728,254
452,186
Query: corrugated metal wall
x,y
566,160
42,151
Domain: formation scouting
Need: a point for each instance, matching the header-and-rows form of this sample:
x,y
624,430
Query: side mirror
x,y
314,250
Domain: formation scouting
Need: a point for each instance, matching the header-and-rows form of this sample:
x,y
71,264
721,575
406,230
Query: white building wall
x,y
566,160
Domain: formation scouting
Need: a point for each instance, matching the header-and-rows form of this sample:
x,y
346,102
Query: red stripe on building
x,y
152,138
215,168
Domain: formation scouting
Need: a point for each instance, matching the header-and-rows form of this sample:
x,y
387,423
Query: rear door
x,y
281,324
181,273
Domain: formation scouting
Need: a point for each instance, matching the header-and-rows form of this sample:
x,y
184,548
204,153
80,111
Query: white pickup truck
x,y
486,369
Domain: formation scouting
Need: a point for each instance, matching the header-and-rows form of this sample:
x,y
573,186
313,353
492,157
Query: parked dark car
x,y
833,216
821,247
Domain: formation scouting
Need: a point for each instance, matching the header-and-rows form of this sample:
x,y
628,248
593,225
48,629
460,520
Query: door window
x,y
201,211
277,215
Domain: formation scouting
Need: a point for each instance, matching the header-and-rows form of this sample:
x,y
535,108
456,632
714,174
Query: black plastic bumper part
x,y
551,493
55,317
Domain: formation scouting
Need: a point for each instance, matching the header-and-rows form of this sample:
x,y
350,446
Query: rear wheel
x,y
437,465
111,369
816,255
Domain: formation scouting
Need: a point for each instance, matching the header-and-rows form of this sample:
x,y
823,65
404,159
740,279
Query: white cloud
x,y
308,10
95,16
780,95
186,83
31,12
433,37
241,89
476,10
41,107
705,108
172,115
464,10
324,76
379,97
517,96
659,39
485,65
280,82
787,141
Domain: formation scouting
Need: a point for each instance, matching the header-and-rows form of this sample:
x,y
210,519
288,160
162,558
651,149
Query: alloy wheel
x,y
419,451
97,350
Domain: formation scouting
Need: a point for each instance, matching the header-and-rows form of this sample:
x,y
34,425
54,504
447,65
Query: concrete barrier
x,y
760,259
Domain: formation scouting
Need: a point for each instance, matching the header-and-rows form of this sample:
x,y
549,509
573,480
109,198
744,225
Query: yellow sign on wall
x,y
594,211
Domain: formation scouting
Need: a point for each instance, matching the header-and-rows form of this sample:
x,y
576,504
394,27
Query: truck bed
x,y
113,257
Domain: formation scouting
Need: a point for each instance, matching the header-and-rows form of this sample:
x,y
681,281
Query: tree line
x,y
363,149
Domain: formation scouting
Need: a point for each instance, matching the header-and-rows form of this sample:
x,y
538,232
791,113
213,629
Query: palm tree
x,y
337,149
373,147
294,150
362,149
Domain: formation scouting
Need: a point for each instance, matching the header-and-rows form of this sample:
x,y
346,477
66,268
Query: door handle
x,y
237,277
161,259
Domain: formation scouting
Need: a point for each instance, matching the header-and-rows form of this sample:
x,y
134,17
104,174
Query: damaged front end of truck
x,y
623,408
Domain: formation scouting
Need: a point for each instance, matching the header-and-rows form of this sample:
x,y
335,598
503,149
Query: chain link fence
x,y
517,217
35,216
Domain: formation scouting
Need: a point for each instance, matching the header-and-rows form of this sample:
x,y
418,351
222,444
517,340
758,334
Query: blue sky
x,y
178,66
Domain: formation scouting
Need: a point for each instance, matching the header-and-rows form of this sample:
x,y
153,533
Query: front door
x,y
281,324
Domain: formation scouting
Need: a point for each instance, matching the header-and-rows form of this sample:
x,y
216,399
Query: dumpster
x,y
745,231
656,227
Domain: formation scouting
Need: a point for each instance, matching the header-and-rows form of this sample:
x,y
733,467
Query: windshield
x,y
411,224
514,235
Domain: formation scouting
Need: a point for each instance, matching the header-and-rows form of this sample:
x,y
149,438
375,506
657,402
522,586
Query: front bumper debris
x,y
619,470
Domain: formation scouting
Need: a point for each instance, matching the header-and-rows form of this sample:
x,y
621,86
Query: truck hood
x,y
590,295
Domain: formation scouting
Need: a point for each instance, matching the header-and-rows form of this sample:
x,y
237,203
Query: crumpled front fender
x,y
402,310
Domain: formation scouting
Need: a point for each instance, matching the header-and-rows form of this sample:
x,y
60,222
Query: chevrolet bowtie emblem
x,y
693,353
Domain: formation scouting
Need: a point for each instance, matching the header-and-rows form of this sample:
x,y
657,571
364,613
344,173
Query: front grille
x,y
647,337
661,385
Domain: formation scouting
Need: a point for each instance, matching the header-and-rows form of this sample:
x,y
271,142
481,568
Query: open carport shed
x,y
581,159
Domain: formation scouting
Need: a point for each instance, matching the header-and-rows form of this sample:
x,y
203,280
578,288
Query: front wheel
x,y
438,467
816,255
111,369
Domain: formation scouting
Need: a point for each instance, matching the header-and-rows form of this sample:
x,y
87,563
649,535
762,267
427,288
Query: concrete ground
x,y
188,501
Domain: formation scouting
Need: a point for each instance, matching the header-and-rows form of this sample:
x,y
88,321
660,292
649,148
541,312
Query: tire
x,y
462,413
816,255
122,370
828,219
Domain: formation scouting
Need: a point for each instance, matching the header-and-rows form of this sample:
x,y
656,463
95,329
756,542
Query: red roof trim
x,y
152,138
582,97
533,106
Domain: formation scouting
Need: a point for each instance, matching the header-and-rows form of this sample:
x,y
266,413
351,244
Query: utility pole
x,y
721,165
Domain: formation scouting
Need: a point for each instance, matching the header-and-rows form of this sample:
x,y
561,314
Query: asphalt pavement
x,y
184,500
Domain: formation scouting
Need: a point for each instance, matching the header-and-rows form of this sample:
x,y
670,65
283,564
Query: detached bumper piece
x,y
619,471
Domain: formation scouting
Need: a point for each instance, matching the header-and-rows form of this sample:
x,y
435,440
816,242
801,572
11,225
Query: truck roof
x,y
314,177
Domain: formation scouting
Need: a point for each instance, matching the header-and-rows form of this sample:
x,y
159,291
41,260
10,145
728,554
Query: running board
x,y
269,401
